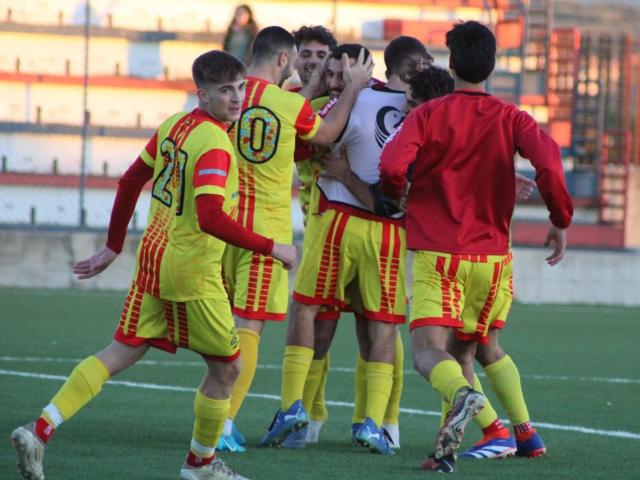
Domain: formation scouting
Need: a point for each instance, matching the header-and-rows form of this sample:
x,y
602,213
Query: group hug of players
x,y
423,161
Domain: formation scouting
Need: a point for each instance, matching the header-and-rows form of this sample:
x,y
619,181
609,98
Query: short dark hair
x,y
270,41
473,51
432,82
216,66
399,52
316,33
351,49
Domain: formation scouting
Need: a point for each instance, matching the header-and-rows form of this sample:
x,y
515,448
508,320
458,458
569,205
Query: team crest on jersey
x,y
387,120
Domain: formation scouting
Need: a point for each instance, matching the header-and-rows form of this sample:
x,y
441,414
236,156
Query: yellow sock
x,y
379,382
445,409
313,396
360,391
207,428
249,343
393,406
505,382
446,378
84,383
295,367
487,415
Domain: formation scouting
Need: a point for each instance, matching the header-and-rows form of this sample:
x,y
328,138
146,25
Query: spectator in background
x,y
240,34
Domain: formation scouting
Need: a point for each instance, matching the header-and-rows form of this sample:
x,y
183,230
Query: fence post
x,y
32,215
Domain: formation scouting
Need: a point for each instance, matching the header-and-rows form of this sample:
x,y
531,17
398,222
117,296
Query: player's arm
x,y
129,187
544,154
399,153
356,79
338,168
210,178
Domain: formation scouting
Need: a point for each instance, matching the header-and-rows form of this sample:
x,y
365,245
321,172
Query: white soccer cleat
x,y
313,431
29,452
216,470
393,429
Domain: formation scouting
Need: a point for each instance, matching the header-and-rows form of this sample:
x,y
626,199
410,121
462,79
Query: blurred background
x,y
85,83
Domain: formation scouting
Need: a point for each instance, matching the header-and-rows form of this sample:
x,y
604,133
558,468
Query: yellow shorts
x,y
308,172
205,326
472,293
258,286
341,248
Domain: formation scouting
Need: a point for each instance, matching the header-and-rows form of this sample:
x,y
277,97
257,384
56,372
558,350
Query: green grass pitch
x,y
579,369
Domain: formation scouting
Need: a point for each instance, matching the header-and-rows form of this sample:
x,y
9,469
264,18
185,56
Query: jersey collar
x,y
202,115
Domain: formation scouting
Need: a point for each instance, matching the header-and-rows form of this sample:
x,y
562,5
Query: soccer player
x,y
459,210
177,298
497,441
357,246
314,44
264,140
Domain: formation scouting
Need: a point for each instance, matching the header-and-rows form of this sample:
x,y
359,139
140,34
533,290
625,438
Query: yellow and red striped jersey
x,y
264,141
191,155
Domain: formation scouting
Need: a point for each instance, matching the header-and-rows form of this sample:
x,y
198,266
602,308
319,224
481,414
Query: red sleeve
x,y
544,154
152,146
212,169
129,188
400,152
306,120
214,221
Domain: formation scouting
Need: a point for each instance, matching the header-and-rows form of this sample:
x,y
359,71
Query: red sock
x,y
496,430
44,430
523,431
194,461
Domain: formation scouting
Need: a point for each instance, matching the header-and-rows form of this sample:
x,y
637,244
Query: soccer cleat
x,y
532,447
492,447
216,470
446,464
240,440
296,439
466,405
30,452
354,430
373,438
393,431
313,431
295,418
228,443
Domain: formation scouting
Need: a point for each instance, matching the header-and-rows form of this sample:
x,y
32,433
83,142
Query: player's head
x,y
424,85
219,78
404,54
334,67
472,49
314,44
275,47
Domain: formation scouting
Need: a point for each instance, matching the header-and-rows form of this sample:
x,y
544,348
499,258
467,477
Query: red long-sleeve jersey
x,y
462,195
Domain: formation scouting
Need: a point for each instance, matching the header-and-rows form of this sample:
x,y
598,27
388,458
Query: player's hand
x,y
524,187
287,254
358,75
317,84
557,237
402,203
95,264
337,168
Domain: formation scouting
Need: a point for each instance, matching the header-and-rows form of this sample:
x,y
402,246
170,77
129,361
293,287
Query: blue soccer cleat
x,y
446,464
228,443
373,438
294,419
296,439
240,440
354,430
532,447
492,447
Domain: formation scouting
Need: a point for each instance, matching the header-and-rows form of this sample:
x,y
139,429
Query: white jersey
x,y
376,114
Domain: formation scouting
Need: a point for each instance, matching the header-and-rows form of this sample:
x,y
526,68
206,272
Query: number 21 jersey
x,y
264,141
190,155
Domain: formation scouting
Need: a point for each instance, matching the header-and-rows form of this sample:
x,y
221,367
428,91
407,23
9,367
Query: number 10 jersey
x,y
264,141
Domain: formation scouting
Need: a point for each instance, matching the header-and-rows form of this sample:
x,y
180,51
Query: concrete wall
x,y
44,259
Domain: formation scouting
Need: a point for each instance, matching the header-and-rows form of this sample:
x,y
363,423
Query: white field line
x,y
179,363
411,411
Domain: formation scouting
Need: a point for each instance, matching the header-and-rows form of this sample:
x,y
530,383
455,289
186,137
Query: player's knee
x,y
488,354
